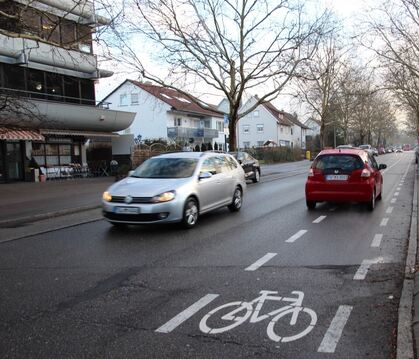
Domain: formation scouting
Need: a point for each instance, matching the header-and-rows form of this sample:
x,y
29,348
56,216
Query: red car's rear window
x,y
346,163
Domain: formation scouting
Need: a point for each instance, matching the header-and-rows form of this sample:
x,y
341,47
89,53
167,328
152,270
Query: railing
x,y
188,132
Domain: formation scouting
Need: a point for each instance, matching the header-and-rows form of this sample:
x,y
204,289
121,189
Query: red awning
x,y
13,134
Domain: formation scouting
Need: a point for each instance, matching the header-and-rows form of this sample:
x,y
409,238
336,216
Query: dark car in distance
x,y
250,165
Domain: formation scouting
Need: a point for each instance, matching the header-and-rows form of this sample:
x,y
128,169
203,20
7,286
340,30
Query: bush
x,y
276,154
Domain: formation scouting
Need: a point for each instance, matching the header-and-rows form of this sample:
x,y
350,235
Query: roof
x,y
178,101
343,151
277,114
294,120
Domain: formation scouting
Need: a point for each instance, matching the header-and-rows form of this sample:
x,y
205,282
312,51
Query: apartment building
x,y
48,72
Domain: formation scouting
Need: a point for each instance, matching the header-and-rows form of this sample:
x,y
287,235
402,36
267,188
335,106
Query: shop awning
x,y
13,134
88,134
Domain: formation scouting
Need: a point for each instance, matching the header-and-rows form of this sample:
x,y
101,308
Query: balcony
x,y
187,132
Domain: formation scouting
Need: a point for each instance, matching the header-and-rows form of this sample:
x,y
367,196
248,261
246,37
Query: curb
x,y
405,347
48,215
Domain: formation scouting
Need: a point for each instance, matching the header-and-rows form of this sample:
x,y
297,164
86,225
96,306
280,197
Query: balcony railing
x,y
188,132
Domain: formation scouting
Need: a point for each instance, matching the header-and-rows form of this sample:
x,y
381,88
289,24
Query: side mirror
x,y
240,162
382,167
204,175
130,173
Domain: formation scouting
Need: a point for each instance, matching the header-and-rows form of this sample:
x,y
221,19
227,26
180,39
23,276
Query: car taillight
x,y
366,173
311,173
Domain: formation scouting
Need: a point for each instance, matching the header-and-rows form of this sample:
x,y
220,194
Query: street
x,y
94,291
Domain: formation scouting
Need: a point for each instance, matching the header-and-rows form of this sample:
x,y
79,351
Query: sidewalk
x,y
23,202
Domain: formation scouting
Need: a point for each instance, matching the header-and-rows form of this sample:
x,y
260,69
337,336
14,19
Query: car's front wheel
x,y
237,200
256,177
371,203
190,213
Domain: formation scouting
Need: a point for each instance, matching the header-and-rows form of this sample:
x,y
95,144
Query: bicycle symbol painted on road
x,y
243,311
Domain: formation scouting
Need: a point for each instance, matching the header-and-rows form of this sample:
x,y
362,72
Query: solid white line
x,y
377,240
318,220
333,334
396,194
393,200
389,210
384,222
186,314
260,262
296,236
362,271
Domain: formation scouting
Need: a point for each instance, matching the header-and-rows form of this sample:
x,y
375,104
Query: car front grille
x,y
142,217
121,199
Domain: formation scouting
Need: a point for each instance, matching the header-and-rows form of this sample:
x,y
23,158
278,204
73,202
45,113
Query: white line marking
x,y
377,240
384,222
362,271
260,262
393,200
296,236
186,314
389,210
392,165
396,194
333,334
318,220
398,189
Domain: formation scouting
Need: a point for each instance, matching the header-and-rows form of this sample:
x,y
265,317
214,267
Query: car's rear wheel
x,y
256,177
311,204
190,213
237,200
371,203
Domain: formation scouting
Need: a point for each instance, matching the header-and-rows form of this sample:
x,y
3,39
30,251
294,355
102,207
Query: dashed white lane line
x,y
186,314
296,236
333,334
384,222
398,188
376,242
260,262
318,220
362,271
393,200
396,194
389,210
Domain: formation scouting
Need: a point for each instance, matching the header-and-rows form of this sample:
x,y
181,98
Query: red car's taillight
x,y
366,173
311,173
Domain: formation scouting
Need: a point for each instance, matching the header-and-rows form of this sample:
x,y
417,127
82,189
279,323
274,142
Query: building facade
x,y
163,113
47,76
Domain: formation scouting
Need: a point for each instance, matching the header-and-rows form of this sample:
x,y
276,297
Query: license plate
x,y
127,210
336,177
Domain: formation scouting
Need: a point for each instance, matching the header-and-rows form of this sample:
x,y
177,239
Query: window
x,y
36,83
256,113
260,143
291,130
71,89
246,144
54,86
14,77
87,92
246,129
282,129
134,99
259,128
178,121
209,165
123,99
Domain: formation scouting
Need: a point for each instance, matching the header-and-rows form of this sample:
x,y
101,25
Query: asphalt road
x,y
92,291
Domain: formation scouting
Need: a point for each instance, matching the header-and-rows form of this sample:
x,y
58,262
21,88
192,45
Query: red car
x,y
344,175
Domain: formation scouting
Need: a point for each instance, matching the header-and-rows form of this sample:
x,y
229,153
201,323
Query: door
x,y
210,190
14,163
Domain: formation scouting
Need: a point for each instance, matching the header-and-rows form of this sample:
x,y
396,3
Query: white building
x,y
168,114
267,124
314,127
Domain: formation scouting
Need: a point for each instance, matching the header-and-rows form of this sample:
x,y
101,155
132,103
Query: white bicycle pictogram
x,y
251,312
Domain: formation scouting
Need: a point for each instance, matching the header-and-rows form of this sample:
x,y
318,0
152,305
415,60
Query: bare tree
x,y
229,46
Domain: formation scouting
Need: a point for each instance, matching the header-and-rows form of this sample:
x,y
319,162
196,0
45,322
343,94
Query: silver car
x,y
176,187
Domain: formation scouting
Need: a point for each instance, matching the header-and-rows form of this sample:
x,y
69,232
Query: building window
x,y
178,121
282,129
220,126
260,143
134,99
123,99
291,130
246,128
259,128
246,144
256,113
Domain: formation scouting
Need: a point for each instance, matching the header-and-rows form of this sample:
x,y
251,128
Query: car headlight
x,y
164,197
107,196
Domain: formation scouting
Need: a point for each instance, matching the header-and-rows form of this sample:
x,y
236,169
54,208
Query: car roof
x,y
189,154
343,151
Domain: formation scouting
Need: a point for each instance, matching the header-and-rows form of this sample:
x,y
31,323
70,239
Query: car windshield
x,y
343,162
166,168
237,155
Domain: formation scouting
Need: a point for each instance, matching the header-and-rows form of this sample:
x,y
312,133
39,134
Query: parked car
x,y
416,154
374,151
347,175
176,187
250,165
367,148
